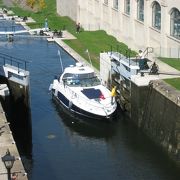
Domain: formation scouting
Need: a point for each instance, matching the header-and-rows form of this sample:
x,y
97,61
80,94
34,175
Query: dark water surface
x,y
65,148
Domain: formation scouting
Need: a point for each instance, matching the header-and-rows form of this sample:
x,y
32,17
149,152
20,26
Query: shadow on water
x,y
19,116
21,125
133,155
85,126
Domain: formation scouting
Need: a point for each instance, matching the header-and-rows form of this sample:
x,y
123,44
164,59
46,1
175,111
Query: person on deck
x,y
140,55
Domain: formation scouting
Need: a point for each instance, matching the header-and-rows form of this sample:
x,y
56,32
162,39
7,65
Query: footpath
x,y
164,72
7,144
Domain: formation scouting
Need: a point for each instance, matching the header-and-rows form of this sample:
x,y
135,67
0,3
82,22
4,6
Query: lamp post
x,y
8,162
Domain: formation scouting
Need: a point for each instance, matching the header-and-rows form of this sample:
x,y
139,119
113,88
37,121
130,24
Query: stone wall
x,y
156,110
67,8
19,115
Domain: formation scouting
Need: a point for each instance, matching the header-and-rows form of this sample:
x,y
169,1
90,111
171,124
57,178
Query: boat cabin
x,y
79,75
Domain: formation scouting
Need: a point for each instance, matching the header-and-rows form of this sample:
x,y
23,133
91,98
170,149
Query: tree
x,y
31,3
42,4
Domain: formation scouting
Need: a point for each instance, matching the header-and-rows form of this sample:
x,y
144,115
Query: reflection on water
x,y
85,126
132,155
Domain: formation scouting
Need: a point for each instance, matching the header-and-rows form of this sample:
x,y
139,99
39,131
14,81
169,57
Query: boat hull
x,y
62,101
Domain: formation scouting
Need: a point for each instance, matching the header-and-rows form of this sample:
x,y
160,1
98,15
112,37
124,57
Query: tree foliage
x,y
31,3
39,3
42,4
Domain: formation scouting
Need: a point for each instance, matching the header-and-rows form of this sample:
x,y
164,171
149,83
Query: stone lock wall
x,y
156,110
20,115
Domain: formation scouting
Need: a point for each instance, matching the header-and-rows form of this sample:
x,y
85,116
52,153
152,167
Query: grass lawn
x,y
174,82
94,41
174,62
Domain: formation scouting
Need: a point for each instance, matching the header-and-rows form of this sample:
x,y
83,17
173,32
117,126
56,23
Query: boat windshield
x,y
82,80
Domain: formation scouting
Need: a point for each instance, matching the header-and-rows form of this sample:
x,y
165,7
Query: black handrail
x,y
7,59
147,51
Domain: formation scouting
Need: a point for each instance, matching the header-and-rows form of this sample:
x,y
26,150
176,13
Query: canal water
x,y
65,147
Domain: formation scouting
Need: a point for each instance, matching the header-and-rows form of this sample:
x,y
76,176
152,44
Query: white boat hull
x,y
72,108
83,94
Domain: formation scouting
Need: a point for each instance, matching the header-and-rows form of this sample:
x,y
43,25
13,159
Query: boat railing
x,y
81,99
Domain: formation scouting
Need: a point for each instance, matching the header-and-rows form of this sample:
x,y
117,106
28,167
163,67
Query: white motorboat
x,y
80,91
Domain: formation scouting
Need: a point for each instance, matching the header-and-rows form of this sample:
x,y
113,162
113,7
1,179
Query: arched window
x,y
106,2
127,6
156,15
115,4
175,23
140,10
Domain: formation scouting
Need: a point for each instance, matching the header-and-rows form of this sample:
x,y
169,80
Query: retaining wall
x,y
156,110
20,116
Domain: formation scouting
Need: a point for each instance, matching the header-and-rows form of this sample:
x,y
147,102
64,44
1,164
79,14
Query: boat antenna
x,y
87,51
60,59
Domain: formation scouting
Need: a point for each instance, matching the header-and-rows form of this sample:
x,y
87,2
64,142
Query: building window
x,y
106,2
156,16
127,6
140,10
175,23
115,4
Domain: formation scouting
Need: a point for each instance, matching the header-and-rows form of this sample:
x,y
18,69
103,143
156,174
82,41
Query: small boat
x,y
80,91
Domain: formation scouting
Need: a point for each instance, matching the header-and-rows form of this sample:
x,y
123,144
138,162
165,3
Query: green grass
x,y
174,82
1,4
94,41
174,62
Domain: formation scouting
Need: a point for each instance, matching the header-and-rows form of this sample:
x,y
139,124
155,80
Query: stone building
x,y
137,23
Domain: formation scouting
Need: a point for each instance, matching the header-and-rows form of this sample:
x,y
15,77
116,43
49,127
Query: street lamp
x,y
8,162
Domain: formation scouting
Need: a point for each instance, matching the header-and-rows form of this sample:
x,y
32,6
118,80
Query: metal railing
x,y
13,61
147,51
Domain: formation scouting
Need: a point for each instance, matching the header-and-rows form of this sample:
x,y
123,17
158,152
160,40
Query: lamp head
x,y
8,160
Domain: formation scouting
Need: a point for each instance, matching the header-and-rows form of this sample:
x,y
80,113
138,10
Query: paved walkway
x,y
7,143
166,69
